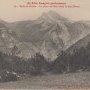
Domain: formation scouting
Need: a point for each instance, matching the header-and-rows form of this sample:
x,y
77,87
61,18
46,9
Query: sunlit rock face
x,y
48,35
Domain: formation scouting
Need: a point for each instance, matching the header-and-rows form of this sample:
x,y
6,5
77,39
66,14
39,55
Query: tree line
x,y
37,65
78,61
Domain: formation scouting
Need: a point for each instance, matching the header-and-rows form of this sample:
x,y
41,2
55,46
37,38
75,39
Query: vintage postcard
x,y
44,44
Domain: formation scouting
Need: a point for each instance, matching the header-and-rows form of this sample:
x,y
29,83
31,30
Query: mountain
x,y
10,44
83,29
79,44
48,35
6,37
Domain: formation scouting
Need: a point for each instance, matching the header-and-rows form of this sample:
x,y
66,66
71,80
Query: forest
x,y
78,61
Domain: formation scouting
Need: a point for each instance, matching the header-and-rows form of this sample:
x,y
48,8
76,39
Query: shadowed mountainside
x,y
49,35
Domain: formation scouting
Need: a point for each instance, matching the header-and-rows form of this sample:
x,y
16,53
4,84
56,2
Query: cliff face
x,y
49,35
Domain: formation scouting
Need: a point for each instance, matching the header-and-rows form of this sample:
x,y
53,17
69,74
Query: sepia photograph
x,y
44,45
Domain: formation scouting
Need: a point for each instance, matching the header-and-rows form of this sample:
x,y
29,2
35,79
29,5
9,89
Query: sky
x,y
10,14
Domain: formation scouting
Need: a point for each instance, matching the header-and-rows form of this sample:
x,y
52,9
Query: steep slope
x,y
81,43
7,38
78,30
50,33
10,44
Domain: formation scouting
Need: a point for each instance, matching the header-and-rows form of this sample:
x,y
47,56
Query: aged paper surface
x,y
44,44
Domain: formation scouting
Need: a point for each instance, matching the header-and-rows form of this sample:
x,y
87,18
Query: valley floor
x,y
80,80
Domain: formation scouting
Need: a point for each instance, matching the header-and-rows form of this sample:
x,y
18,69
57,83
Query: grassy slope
x,y
71,80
